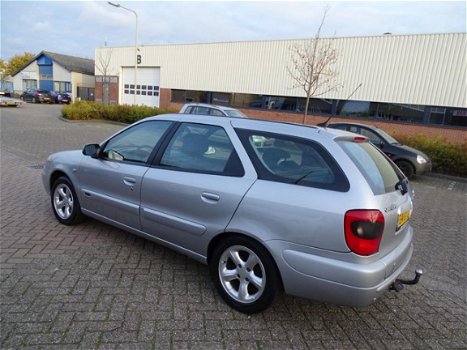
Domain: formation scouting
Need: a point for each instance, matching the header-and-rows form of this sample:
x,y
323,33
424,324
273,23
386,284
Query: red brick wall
x,y
165,97
450,134
113,92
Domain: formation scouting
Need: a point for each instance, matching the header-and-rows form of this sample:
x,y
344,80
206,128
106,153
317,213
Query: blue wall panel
x,y
44,60
45,70
46,85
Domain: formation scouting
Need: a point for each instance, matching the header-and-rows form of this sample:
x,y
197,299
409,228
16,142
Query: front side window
x,y
202,148
293,160
216,112
189,110
136,143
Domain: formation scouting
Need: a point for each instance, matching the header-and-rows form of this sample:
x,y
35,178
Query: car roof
x,y
293,129
209,106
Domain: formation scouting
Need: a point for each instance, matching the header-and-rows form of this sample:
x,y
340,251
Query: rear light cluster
x,y
363,231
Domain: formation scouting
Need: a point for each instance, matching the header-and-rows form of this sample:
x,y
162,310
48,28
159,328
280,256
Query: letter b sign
x,y
138,59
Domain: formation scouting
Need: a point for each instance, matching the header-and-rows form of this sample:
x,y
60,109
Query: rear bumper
x,y
336,281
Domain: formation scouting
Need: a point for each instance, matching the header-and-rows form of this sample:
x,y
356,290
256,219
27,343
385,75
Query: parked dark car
x,y
60,97
36,96
409,160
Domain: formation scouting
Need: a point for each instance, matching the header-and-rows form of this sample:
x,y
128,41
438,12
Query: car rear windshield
x,y
380,173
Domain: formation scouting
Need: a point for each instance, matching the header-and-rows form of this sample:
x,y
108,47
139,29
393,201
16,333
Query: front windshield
x,y
235,113
388,137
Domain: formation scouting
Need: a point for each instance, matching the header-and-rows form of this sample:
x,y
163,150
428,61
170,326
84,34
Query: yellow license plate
x,y
402,219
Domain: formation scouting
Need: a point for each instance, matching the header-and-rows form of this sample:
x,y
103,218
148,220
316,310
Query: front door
x,y
111,184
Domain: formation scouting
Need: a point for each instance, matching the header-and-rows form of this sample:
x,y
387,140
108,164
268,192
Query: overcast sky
x,y
78,27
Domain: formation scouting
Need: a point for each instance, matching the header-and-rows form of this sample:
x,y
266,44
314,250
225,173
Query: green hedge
x,y
447,158
87,110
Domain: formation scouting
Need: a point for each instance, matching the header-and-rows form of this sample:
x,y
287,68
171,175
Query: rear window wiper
x,y
402,185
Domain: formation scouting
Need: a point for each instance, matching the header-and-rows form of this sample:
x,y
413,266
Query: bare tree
x,y
102,62
313,66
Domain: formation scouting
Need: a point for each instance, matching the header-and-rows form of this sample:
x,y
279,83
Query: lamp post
x,y
136,43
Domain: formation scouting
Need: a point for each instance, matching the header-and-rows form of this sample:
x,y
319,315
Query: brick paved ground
x,y
94,286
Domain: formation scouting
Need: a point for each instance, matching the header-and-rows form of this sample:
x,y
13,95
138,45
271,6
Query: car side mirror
x,y
91,150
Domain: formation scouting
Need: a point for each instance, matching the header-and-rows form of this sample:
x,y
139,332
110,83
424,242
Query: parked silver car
x,y
214,110
320,213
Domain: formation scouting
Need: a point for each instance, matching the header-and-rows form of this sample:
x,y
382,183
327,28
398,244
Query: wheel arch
x,y
55,175
220,237
408,161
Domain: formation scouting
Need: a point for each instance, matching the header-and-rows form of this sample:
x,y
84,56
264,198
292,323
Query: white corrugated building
x,y
407,78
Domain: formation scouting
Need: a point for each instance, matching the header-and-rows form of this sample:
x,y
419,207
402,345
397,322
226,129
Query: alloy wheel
x,y
242,274
63,201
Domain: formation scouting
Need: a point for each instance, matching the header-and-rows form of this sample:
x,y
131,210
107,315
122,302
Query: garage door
x,y
146,90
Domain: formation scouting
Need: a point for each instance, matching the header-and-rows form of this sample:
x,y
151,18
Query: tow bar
x,y
398,284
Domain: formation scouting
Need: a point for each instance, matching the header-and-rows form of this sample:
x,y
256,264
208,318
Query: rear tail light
x,y
363,231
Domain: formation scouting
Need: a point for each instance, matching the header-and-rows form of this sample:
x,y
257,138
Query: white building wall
x,y
30,72
80,80
60,73
425,69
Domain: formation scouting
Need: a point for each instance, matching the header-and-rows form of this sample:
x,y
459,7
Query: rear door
x,y
194,187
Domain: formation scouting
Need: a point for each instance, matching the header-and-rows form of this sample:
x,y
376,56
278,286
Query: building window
x,y
448,116
391,112
62,86
29,84
355,108
183,96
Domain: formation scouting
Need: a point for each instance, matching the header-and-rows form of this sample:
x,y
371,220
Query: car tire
x,y
245,274
65,203
406,168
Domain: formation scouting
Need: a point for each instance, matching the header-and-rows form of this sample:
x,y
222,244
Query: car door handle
x,y
129,181
210,196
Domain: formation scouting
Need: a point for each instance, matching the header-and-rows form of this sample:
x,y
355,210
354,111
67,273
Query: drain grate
x,y
37,166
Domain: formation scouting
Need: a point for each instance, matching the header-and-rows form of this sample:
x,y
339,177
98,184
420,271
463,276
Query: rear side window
x,y
202,149
379,172
293,160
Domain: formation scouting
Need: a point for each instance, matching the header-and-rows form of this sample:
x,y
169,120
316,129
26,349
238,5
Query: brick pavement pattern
x,y
92,286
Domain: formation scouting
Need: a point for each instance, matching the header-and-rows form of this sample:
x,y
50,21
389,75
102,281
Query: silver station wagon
x,y
319,213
